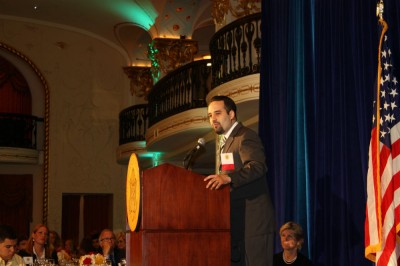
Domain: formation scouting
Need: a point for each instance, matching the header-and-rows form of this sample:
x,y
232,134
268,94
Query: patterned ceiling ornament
x,y
219,11
141,80
241,8
167,54
238,9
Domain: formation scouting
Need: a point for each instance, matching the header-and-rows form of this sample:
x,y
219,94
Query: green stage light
x,y
135,14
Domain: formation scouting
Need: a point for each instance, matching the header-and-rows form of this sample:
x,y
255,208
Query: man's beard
x,y
219,130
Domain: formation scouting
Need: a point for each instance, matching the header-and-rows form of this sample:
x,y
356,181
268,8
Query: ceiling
x,y
128,24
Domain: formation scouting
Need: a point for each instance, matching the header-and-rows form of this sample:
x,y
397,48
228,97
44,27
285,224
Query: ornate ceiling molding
x,y
141,80
219,11
167,54
237,8
241,8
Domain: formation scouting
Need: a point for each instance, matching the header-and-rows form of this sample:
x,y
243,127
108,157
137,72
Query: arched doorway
x,y
39,107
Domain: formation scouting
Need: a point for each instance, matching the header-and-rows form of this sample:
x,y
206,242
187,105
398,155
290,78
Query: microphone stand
x,y
188,160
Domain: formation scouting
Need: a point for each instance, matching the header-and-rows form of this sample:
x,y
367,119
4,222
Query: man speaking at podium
x,y
242,166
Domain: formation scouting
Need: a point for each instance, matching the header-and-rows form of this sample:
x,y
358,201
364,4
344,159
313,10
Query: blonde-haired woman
x,y
38,247
121,240
292,239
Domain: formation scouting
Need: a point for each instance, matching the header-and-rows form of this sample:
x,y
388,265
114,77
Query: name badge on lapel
x,y
227,161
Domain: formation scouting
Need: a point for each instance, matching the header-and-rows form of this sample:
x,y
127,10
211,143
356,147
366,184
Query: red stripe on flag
x,y
396,148
385,154
388,249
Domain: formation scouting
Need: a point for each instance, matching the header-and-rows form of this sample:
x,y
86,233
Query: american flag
x,y
382,224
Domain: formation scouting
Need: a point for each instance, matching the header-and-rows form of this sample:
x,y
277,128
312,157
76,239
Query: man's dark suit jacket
x,y
23,253
252,212
116,256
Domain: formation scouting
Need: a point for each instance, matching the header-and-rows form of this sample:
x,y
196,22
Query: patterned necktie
x,y
222,144
222,141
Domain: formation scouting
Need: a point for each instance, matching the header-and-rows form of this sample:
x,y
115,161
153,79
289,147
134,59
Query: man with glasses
x,y
108,247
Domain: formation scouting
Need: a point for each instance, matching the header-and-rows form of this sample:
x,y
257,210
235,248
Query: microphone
x,y
188,160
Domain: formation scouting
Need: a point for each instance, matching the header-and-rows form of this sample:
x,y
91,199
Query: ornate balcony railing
x,y
133,122
183,89
236,50
18,131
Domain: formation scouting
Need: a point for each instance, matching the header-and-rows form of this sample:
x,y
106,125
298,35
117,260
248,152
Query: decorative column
x,y
141,80
167,54
226,11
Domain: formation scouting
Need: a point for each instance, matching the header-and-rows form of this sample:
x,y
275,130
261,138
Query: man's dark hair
x,y
22,238
7,232
228,102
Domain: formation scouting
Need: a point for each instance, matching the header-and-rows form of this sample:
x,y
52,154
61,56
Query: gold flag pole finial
x,y
379,9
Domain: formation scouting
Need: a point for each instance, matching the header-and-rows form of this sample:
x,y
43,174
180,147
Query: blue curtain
x,y
318,70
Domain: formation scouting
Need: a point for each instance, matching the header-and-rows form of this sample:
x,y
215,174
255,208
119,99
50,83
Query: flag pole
x,y
379,13
382,224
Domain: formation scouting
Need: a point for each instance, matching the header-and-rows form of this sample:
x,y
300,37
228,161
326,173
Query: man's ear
x,y
231,114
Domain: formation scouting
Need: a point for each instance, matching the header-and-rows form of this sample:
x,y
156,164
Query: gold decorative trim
x,y
220,10
141,80
245,7
184,122
238,9
168,54
177,130
12,50
245,88
160,129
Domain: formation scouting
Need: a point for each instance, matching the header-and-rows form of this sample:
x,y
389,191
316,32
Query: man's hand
x,y
106,248
217,181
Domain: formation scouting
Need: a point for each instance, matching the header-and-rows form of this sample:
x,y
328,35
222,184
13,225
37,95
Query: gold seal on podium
x,y
133,193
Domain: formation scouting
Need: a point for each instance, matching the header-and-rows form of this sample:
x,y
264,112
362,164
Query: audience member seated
x,y
108,247
89,245
292,239
22,242
54,241
8,247
68,252
70,248
37,247
85,246
121,243
95,243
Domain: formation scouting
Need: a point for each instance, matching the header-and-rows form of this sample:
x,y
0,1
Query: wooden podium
x,y
181,222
